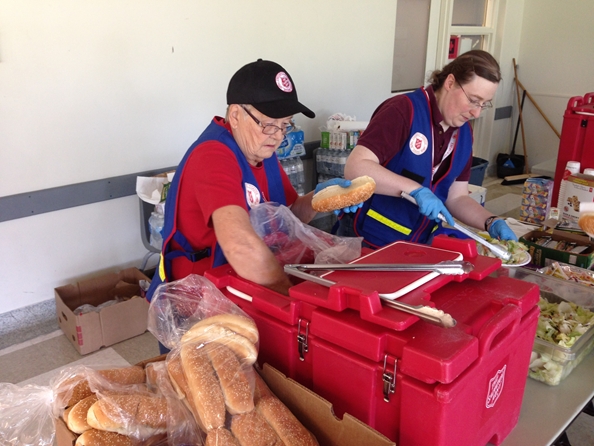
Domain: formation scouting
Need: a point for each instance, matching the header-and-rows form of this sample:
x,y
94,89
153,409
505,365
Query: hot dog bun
x,y
203,386
96,437
75,388
220,437
233,379
337,197
252,429
284,423
77,418
244,349
138,415
241,325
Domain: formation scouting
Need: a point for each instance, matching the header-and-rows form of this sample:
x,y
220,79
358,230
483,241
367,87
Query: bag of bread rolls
x,y
292,241
177,306
212,369
75,383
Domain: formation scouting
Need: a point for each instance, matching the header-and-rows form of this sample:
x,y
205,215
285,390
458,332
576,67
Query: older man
x,y
230,168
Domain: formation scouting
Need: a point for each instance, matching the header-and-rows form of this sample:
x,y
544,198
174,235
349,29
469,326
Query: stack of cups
x,y
571,168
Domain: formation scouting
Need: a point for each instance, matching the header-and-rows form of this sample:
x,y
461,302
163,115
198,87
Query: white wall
x,y
99,88
555,63
509,26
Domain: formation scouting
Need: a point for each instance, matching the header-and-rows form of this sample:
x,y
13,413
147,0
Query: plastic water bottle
x,y
570,168
342,162
156,222
300,171
320,159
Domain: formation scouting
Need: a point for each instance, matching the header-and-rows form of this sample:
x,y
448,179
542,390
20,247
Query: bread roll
x,y
179,383
244,349
287,427
586,222
138,415
234,382
76,388
65,415
261,390
239,324
337,197
220,437
124,375
96,437
77,418
203,386
251,429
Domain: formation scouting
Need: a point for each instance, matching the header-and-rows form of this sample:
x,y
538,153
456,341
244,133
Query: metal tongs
x,y
427,313
447,267
499,251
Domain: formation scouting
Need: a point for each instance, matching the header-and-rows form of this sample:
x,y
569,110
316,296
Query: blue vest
x,y
214,132
384,219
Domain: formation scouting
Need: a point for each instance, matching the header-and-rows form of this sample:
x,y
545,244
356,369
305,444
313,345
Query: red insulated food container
x,y
577,137
417,383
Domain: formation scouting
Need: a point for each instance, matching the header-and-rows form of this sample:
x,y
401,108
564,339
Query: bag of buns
x,y
145,415
292,241
213,344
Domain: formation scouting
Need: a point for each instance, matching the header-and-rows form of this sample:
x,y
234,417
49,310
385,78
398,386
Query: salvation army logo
x,y
418,143
495,387
252,195
283,82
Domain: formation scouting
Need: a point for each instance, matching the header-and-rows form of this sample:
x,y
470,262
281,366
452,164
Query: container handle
x,y
501,326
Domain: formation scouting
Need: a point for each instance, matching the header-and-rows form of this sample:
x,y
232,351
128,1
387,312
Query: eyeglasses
x,y
269,129
476,104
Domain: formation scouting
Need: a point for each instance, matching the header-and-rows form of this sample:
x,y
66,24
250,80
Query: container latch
x,y
302,339
389,380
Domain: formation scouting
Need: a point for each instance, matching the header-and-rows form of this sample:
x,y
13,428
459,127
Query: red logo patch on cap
x,y
283,82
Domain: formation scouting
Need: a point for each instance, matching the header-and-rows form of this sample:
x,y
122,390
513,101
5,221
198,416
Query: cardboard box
x,y
578,189
314,412
540,253
89,332
536,200
477,193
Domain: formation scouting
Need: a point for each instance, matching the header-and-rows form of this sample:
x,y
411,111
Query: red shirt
x,y
212,180
389,130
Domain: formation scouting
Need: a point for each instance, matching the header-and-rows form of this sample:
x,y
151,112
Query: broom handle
x,y
518,124
538,108
520,115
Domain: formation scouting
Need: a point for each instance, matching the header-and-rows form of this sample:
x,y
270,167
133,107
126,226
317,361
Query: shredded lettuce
x,y
518,250
560,324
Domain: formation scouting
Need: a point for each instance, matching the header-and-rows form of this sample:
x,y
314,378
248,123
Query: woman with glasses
x,y
420,143
230,168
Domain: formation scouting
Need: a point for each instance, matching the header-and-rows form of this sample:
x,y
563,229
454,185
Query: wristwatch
x,y
490,220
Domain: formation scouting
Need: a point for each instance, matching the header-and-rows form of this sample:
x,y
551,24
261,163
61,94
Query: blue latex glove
x,y
342,183
499,229
431,206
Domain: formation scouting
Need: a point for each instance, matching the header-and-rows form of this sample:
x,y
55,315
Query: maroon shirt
x,y
389,130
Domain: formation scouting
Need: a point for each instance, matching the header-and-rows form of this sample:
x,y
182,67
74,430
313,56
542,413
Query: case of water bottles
x,y
333,152
289,154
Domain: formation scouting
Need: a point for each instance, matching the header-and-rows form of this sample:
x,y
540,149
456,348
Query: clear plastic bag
x,y
177,306
213,346
26,417
292,241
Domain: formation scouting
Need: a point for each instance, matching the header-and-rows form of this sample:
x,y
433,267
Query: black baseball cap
x,y
268,88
